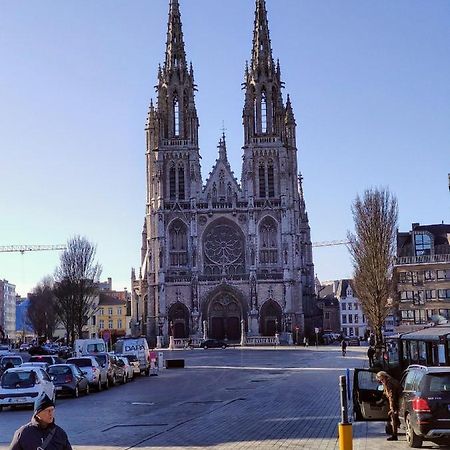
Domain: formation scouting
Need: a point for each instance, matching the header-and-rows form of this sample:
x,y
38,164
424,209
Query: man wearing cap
x,y
41,433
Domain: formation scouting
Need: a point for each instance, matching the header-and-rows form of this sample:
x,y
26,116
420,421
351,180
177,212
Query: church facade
x,y
222,258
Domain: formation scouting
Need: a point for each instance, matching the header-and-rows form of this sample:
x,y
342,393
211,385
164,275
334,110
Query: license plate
x,y
18,400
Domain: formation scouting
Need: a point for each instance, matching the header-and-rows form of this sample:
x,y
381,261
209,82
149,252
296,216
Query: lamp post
x,y
277,338
171,337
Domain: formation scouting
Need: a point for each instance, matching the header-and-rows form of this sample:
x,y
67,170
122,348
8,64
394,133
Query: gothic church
x,y
222,259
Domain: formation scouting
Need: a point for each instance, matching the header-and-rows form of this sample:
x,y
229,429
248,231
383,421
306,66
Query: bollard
x,y
345,427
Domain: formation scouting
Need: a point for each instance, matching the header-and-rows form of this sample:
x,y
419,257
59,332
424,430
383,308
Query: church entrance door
x,y
225,315
270,318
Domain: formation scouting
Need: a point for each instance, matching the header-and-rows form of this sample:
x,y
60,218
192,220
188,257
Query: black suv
x,y
213,343
424,409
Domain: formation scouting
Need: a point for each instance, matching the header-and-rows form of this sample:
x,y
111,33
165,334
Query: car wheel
x,y
125,378
414,441
205,346
224,346
99,385
76,392
88,390
107,383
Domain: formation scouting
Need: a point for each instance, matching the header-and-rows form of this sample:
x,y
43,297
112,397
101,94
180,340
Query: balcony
x,y
176,142
265,140
424,259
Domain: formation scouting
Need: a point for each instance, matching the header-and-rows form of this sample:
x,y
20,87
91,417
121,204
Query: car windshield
x,y
81,362
439,382
101,359
59,370
13,380
15,361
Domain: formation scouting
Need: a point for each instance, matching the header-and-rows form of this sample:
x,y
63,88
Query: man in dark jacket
x,y
41,433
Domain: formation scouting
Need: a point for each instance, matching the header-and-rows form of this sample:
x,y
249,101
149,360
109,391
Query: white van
x,y
89,346
137,347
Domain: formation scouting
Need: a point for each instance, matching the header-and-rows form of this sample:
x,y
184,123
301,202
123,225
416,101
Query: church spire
x,y
262,59
175,53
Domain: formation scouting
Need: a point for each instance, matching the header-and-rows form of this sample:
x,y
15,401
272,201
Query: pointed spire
x,y
290,119
262,58
222,148
175,53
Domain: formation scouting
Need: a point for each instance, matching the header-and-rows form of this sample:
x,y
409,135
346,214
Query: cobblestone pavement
x,y
225,399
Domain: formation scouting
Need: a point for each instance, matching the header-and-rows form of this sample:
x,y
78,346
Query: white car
x,y
96,375
24,385
4,349
127,366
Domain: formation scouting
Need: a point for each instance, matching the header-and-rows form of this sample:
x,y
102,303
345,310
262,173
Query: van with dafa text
x,y
137,347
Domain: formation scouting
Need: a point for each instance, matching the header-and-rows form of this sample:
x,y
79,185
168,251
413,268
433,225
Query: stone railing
x,y
424,259
262,340
182,342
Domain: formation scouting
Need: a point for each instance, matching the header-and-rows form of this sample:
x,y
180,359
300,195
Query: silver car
x,y
96,374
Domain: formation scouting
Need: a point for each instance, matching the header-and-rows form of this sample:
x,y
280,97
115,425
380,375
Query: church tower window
x,y
176,116
270,179
181,185
178,244
268,248
263,112
262,180
172,183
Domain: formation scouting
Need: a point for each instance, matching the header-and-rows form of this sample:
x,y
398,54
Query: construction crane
x,y
30,248
329,243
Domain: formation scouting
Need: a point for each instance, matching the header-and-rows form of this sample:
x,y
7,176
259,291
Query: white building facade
x,y
8,309
353,320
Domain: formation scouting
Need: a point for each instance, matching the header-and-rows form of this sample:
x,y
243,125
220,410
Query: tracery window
x,y
172,183
270,179
268,248
176,116
266,179
181,194
263,112
178,244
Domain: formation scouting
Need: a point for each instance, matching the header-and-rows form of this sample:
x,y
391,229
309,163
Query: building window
x,y
344,318
110,324
350,306
429,275
422,243
356,306
407,315
101,324
350,318
444,293
101,312
415,278
119,311
356,331
176,116
268,253
263,112
430,294
94,320
343,306
419,298
327,315
178,244
344,330
405,277
356,318
119,324
363,318
420,316
181,193
262,181
441,274
350,330
110,311
172,183
406,296
270,180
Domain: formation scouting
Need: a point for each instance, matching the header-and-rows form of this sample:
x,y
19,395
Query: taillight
x,y
68,379
420,404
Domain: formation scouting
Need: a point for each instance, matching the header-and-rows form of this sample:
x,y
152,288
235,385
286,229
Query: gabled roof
x,y
106,299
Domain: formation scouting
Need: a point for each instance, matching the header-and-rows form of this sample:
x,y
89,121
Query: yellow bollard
x,y
345,436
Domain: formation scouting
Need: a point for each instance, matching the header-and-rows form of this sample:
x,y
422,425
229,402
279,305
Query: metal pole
x,y
344,428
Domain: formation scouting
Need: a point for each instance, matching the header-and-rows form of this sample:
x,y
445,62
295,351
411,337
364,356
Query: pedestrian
x,y
305,342
392,391
41,432
370,355
344,347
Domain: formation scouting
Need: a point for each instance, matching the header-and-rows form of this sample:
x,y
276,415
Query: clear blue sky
x,y
369,82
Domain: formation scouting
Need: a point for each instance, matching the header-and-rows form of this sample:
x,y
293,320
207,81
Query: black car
x,y
214,343
424,409
68,380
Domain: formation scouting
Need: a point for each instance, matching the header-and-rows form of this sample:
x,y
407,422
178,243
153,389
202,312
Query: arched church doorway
x,y
179,320
225,315
270,318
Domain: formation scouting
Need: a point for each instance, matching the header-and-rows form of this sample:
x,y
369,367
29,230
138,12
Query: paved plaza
x,y
225,399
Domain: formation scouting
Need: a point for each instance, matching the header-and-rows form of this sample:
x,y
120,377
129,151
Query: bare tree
x,y
76,285
372,248
41,312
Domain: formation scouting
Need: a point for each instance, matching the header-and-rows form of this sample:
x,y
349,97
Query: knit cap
x,y
42,403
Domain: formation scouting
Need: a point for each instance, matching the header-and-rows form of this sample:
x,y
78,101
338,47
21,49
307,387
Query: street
x,y
232,398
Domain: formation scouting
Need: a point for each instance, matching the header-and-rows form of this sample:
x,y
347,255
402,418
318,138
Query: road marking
x,y
284,369
142,403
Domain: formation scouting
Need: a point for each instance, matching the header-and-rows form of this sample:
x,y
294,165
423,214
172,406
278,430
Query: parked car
x,y
38,350
42,365
120,372
50,360
4,349
424,409
7,362
213,343
129,371
24,347
22,386
115,373
97,375
68,379
137,347
133,361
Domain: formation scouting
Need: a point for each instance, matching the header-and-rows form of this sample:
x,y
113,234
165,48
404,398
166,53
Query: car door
x,y
367,394
47,385
410,384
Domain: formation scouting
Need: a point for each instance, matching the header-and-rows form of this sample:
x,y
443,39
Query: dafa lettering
x,y
133,348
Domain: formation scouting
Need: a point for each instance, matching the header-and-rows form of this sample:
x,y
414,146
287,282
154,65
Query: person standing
x,y
392,391
344,347
41,432
370,355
